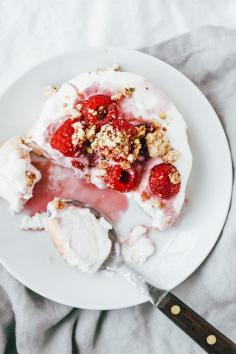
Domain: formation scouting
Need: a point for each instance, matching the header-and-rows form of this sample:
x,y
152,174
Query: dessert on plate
x,y
119,131
115,135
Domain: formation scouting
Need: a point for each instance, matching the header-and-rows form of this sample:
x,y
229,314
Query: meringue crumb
x,y
78,106
30,178
155,124
159,204
51,90
141,131
90,132
129,91
174,177
171,156
58,203
93,112
157,143
75,113
79,134
117,96
114,67
145,196
162,115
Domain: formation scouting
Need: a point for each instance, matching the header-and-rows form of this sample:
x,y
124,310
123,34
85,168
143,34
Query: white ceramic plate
x,y
31,258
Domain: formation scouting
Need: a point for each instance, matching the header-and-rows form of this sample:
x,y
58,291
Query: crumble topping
x,y
174,177
30,178
136,147
111,141
79,106
162,115
117,96
128,91
157,143
113,67
93,112
141,131
90,133
58,203
79,134
51,90
116,145
145,196
103,164
171,156
75,113
159,204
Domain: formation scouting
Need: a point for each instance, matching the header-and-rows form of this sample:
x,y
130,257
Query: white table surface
x,y
33,30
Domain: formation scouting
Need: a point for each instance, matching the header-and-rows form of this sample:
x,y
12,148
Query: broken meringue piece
x,y
138,247
36,222
17,175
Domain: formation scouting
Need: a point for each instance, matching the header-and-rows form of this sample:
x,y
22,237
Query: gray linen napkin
x,y
208,57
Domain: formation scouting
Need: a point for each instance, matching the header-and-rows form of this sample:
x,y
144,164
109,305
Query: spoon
x,y
202,332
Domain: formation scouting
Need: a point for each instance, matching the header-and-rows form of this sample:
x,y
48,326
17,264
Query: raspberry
x,y
124,126
62,139
77,164
164,181
99,110
122,180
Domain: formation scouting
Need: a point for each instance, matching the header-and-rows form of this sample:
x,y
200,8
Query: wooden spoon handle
x,y
204,334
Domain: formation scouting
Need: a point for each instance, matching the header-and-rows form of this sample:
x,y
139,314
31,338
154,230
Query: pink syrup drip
x,y
60,182
91,91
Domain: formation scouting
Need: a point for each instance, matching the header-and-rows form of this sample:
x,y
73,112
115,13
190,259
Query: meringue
x,y
142,100
137,247
17,175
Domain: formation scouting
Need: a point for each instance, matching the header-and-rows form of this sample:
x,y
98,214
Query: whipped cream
x,y
55,110
17,175
147,102
137,247
80,238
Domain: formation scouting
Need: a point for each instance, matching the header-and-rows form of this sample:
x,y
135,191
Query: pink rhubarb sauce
x,y
60,182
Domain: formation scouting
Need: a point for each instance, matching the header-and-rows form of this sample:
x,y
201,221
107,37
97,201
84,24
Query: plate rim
x,y
220,127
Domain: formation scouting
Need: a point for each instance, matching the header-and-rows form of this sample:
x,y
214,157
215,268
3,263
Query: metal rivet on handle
x,y
211,339
175,310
